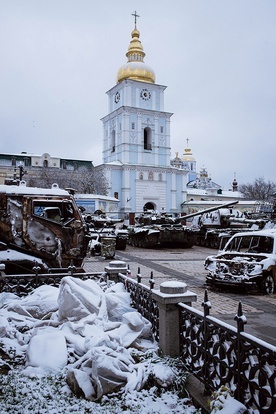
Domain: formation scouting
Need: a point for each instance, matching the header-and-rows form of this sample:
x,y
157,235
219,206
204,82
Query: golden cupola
x,y
188,156
135,68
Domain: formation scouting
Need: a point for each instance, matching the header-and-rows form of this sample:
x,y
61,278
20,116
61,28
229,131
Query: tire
x,y
268,285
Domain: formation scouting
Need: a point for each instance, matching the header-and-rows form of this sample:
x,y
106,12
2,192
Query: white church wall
x,y
150,191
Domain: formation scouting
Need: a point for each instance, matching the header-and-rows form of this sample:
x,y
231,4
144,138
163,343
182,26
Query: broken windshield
x,y
58,212
251,244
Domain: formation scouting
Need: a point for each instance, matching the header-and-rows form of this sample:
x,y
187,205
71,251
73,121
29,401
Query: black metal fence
x,y
141,297
217,353
24,284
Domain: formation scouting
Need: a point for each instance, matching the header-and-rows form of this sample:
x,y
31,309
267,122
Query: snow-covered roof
x,y
213,191
216,202
23,189
95,197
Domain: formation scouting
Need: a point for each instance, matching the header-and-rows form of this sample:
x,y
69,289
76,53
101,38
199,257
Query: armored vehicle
x,y
223,220
40,225
103,228
152,229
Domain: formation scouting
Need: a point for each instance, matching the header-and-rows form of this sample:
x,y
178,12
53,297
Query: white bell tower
x,y
136,140
137,129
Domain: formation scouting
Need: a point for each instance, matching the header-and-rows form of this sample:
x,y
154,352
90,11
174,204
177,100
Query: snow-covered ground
x,y
82,348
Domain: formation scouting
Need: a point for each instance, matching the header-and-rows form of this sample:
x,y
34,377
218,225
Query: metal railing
x,y
215,352
141,297
219,354
24,284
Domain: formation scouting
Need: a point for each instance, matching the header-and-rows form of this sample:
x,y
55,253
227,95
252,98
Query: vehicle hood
x,y
235,257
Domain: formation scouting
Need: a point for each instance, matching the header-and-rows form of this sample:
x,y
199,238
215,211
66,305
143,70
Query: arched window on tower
x,y
45,163
147,139
113,142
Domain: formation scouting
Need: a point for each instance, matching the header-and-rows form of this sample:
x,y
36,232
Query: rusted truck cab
x,y
44,223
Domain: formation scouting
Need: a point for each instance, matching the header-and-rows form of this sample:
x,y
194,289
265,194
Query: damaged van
x,y
247,261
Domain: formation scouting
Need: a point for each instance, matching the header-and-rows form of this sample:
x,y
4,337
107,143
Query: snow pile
x,y
82,328
85,340
90,338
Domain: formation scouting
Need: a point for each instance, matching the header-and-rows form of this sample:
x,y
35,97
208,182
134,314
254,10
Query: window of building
x,y
147,139
132,125
161,129
113,141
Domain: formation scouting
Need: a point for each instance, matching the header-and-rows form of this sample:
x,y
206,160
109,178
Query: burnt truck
x,y
42,226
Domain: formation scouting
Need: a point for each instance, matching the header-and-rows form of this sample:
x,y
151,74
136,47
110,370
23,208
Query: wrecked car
x,y
40,225
247,261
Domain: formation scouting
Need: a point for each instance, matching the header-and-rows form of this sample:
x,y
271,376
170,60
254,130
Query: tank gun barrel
x,y
259,222
208,210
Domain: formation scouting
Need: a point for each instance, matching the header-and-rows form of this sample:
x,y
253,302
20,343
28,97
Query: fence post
x,y
114,268
240,318
167,298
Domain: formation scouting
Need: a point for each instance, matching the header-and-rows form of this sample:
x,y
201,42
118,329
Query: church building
x,y
136,140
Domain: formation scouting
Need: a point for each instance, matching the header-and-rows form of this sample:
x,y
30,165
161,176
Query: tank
x,y
106,234
215,225
42,225
152,229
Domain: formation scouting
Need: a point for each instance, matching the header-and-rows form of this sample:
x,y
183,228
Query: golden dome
x,y
188,156
135,68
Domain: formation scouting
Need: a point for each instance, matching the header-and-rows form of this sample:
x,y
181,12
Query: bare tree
x,y
83,180
92,182
259,190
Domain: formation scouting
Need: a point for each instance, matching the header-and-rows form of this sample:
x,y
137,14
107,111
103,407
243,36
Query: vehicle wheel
x,y
268,285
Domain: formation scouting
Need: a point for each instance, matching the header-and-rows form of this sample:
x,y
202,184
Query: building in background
x,y
136,141
187,163
136,157
31,167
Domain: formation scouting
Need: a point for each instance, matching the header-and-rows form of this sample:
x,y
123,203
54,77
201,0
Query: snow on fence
x,y
24,284
215,352
142,300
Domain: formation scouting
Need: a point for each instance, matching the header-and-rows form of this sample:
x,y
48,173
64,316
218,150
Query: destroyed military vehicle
x,y
41,227
105,234
153,229
223,220
248,261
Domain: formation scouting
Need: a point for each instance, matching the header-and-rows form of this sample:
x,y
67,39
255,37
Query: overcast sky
x,y
216,57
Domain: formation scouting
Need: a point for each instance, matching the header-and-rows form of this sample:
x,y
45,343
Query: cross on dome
x,y
135,16
135,68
